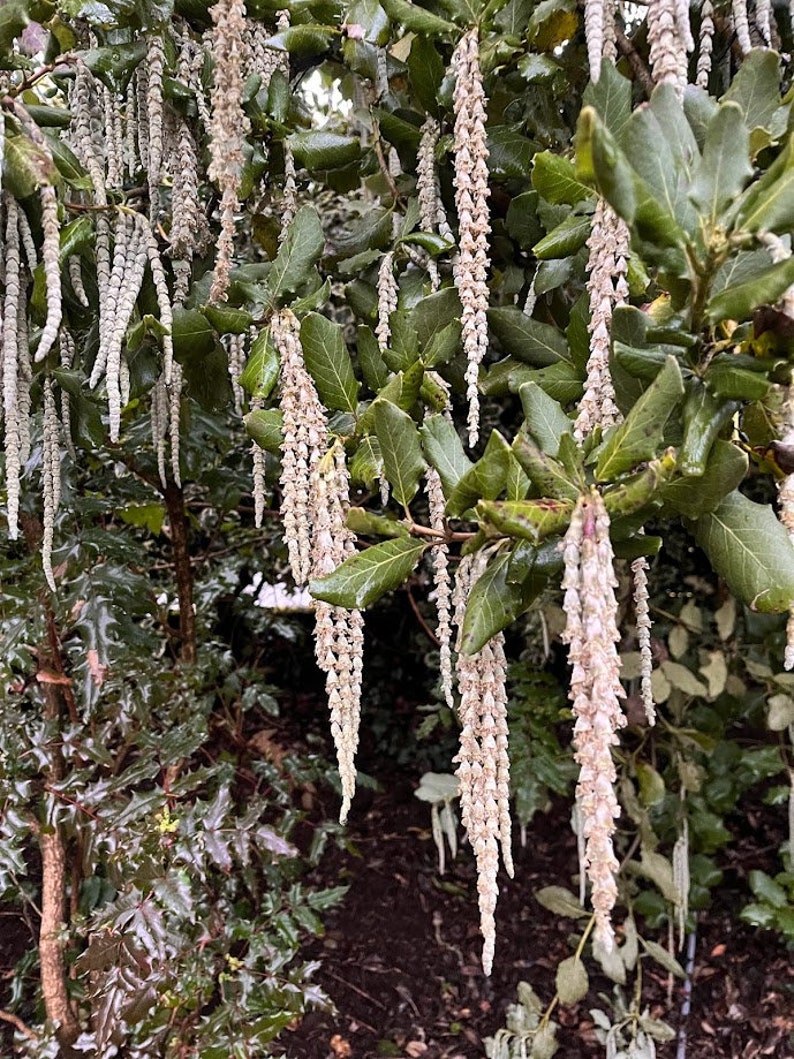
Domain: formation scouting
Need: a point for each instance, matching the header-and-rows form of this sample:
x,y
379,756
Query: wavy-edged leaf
x,y
444,450
265,427
485,480
738,301
262,367
417,19
403,462
530,520
366,576
328,362
725,167
300,250
545,418
530,340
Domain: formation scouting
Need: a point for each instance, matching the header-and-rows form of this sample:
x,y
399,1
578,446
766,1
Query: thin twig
x,y
420,618
17,1023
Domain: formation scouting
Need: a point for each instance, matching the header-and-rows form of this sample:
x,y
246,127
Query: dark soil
x,y
400,958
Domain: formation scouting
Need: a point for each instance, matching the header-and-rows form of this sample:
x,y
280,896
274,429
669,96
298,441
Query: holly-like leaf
x,y
403,462
749,548
366,576
493,604
639,436
328,362
300,250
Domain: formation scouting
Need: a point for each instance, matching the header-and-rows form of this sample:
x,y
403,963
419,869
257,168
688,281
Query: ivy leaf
x,y
366,576
530,340
639,436
724,168
749,548
403,462
328,362
738,301
300,250
444,450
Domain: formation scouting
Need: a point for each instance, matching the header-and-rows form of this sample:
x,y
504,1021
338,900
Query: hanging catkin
x,y
483,766
10,352
51,234
258,472
471,201
741,25
76,279
427,190
67,350
155,62
159,423
442,582
669,37
706,44
591,632
51,478
163,300
681,880
289,201
387,299
607,287
228,130
639,569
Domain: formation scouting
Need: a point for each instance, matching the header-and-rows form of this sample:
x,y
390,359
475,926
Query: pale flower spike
x,y
669,37
591,632
643,622
471,201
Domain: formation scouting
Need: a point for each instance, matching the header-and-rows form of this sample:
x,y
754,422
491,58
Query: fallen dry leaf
x,y
719,950
96,668
44,676
415,1049
340,1048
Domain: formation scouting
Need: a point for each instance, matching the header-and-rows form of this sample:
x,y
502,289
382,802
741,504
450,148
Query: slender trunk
x,y
175,505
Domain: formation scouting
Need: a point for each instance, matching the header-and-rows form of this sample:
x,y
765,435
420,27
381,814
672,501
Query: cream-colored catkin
x,y
26,242
235,352
705,44
607,287
258,470
66,349
763,21
75,270
639,569
228,129
483,766
24,379
164,305
471,201
442,583
10,353
51,235
159,424
741,25
427,190
123,229
681,880
591,633
669,36
387,299
51,478
305,440
339,636
594,12
174,421
289,200
155,65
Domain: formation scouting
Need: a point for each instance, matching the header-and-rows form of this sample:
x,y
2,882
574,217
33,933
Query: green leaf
x,y
564,240
367,523
530,520
639,437
730,382
724,168
740,300
767,889
725,470
366,466
485,480
611,97
548,475
705,416
634,493
651,155
571,981
328,362
749,548
554,178
530,340
27,166
262,367
317,149
418,19
265,427
227,320
493,604
308,40
373,367
403,462
663,958
546,421
444,450
768,204
13,19
193,333
300,250
114,65
75,236
366,576
756,88
561,902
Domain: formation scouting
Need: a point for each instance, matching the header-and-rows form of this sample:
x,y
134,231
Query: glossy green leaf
x,y
308,39
705,416
368,524
724,471
444,450
651,156
193,333
568,237
27,166
373,367
366,576
318,149
493,604
418,19
636,492
737,302
749,548
548,475
300,250
403,461
530,520
530,340
611,97
227,320
13,19
639,437
328,362
554,178
730,382
756,88
485,480
546,421
768,205
724,168
262,367
265,427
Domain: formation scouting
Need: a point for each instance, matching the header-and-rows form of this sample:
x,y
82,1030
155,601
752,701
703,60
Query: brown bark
x,y
175,505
